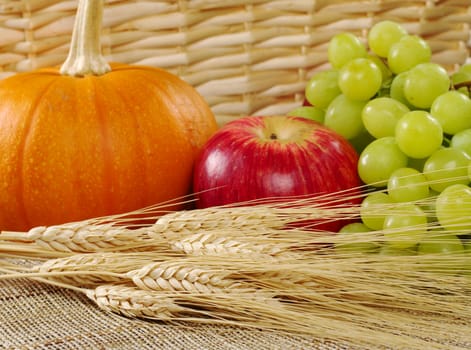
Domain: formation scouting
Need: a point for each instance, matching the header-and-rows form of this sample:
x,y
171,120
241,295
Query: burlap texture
x,y
38,316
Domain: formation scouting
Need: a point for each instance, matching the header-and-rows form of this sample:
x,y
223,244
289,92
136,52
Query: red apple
x,y
267,157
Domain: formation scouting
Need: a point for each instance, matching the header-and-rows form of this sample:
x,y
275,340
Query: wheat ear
x,y
225,244
241,310
180,276
215,218
79,237
88,270
82,237
130,301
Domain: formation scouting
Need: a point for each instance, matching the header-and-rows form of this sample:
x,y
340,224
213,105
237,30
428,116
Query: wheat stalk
x,y
321,319
311,293
105,235
88,270
93,236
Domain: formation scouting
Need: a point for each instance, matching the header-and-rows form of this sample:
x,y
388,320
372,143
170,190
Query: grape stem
x,y
466,84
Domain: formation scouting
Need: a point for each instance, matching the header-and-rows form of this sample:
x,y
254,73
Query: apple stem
x,y
273,136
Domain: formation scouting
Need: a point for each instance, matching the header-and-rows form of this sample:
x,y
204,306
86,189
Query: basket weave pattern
x,y
244,56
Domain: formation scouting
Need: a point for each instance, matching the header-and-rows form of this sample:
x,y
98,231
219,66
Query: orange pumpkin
x,y
92,139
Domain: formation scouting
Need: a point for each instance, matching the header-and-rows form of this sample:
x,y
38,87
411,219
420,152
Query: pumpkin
x,y
89,138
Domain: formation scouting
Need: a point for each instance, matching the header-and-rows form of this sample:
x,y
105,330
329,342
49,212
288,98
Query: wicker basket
x,y
244,56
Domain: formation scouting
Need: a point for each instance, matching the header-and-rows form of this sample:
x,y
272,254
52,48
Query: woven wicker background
x,y
244,56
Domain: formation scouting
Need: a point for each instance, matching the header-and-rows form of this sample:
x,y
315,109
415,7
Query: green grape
x,y
408,52
355,227
424,83
458,78
467,245
343,48
383,35
379,160
418,134
465,68
453,111
441,252
462,76
428,205
446,167
388,250
405,226
462,140
344,116
358,244
453,208
380,116
322,88
440,242
309,112
360,79
407,185
467,253
373,208
396,91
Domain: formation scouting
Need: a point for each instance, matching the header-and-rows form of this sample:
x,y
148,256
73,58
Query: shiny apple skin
x,y
272,157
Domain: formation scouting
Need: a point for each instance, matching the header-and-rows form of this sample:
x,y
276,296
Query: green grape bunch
x,y
409,118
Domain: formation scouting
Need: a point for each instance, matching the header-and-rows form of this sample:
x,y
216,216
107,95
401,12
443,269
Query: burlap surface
x,y
39,316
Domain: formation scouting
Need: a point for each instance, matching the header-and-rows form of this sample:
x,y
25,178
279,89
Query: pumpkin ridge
x,y
106,147
183,120
167,101
168,88
139,144
30,120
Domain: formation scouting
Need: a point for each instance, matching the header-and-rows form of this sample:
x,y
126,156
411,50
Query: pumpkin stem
x,y
85,56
